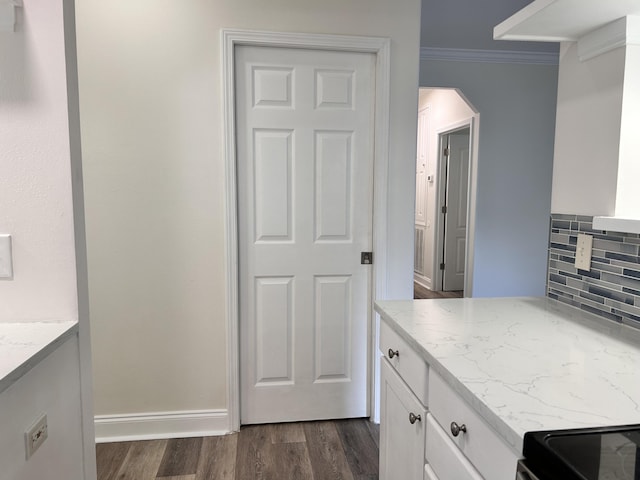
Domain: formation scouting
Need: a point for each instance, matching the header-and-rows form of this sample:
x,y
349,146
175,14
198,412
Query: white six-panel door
x,y
305,176
456,217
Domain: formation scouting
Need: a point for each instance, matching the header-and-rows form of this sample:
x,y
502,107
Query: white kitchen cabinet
x,y
404,359
402,428
428,449
51,388
478,443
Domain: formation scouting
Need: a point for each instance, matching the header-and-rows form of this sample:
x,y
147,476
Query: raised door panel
x,y
272,183
334,89
333,329
272,87
402,444
333,185
274,331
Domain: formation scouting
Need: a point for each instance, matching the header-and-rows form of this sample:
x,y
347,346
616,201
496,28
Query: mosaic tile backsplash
x,y
611,289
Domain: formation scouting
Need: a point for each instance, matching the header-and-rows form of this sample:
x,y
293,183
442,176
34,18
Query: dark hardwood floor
x,y
419,292
325,450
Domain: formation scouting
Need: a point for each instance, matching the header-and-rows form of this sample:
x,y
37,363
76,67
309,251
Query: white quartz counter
x,y
526,364
23,345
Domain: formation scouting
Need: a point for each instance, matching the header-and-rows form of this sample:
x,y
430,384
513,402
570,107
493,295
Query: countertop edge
x,y
23,368
510,436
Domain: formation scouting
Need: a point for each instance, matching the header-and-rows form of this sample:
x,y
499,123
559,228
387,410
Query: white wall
x,y
516,104
446,108
587,132
35,179
51,387
151,109
468,24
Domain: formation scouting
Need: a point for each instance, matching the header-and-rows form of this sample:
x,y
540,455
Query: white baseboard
x,y
422,281
160,425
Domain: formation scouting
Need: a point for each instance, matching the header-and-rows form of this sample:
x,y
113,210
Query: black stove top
x,y
605,453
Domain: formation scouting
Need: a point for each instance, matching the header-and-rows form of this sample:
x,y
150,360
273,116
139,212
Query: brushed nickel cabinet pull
x,y
456,429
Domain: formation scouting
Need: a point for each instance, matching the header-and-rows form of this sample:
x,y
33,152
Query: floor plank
x,y
254,442
287,433
359,448
326,454
142,460
218,458
289,461
109,456
179,477
180,457
374,430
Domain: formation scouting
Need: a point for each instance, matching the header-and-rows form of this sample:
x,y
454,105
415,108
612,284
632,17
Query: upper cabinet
x,y
595,169
562,20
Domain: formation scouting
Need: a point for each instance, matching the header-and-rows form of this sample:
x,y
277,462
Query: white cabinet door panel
x,y
443,456
402,444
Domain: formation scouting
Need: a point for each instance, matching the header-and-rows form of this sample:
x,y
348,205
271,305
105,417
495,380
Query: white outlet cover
x,y
583,252
36,435
6,261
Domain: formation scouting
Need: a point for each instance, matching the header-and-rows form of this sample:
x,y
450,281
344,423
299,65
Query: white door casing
x,y
456,217
381,48
419,258
421,168
305,181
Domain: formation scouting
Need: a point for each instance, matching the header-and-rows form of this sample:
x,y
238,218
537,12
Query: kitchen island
x,y
517,364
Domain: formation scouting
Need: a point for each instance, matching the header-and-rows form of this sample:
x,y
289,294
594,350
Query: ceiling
x,y
468,24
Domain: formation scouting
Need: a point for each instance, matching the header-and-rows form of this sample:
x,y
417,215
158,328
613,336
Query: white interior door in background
x,y
456,217
305,192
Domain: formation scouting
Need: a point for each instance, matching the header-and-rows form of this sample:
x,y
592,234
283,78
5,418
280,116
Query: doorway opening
x,y
445,194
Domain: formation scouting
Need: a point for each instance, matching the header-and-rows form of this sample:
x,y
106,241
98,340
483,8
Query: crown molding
x,y
488,56
622,32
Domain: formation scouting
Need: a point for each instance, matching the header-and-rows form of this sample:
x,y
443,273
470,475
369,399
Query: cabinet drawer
x,y
411,367
402,428
490,455
444,457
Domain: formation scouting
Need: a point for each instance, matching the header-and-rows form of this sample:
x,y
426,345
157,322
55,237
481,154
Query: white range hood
x,y
599,27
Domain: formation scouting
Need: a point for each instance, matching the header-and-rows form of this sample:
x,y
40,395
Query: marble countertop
x,y
526,364
24,345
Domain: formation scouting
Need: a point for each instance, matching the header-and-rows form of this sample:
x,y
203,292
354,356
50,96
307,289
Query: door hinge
x,y
446,152
442,266
366,258
444,209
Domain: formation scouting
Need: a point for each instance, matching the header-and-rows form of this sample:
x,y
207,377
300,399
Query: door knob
x,y
413,418
393,353
456,429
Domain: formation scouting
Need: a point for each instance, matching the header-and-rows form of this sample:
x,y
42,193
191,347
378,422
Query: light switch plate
x,y
6,262
583,252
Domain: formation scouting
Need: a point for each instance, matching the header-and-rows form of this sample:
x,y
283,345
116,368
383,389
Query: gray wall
x,y
517,122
